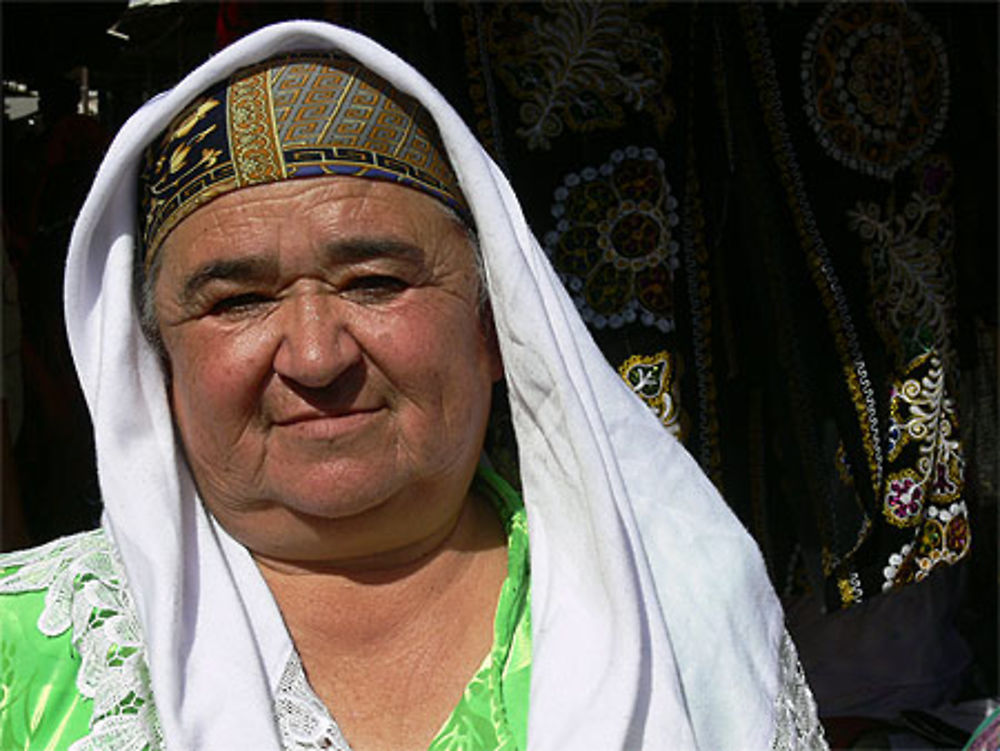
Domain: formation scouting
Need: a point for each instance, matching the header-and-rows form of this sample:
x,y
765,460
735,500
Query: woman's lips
x,y
328,425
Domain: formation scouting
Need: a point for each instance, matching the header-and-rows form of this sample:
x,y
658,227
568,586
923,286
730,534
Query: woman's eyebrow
x,y
255,268
248,268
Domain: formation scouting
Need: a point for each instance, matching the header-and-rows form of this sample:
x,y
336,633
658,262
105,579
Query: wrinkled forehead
x,y
297,116
337,219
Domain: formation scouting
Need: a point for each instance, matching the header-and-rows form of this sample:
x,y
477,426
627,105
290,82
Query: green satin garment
x,y
41,708
493,711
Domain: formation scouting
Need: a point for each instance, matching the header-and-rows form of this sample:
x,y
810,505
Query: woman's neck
x,y
356,602
390,650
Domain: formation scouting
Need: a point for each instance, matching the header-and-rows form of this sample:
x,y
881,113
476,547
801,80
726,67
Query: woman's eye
x,y
242,303
376,285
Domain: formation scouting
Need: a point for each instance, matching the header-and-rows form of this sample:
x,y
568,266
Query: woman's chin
x,y
343,532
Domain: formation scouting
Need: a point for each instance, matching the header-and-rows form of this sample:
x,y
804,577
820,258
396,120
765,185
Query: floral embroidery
x,y
577,66
87,592
614,244
926,475
653,378
922,415
942,538
907,255
904,499
875,83
925,480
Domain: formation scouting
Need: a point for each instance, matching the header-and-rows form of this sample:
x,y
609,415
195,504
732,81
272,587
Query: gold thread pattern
x,y
296,116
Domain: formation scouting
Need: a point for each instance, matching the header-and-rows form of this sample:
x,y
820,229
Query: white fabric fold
x,y
654,625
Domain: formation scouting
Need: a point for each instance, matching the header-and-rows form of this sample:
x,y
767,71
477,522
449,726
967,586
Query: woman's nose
x,y
316,344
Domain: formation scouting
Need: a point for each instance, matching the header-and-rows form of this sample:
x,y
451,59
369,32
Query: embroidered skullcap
x,y
303,115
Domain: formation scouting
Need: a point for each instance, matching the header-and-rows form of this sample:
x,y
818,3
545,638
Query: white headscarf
x,y
654,625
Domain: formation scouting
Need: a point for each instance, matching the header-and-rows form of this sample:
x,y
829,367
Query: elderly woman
x,y
290,292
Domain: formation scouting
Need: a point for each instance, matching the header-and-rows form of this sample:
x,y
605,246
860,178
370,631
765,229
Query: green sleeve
x,y
40,707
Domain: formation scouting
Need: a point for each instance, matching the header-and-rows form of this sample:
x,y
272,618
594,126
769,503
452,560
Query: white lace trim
x,y
303,720
796,725
306,725
85,591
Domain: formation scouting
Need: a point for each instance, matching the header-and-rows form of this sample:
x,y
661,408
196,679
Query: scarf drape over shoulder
x,y
654,625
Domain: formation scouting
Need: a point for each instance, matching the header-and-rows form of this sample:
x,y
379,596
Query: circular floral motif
x,y
614,244
905,499
875,82
634,234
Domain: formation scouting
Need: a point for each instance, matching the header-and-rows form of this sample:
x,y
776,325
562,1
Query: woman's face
x,y
330,369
